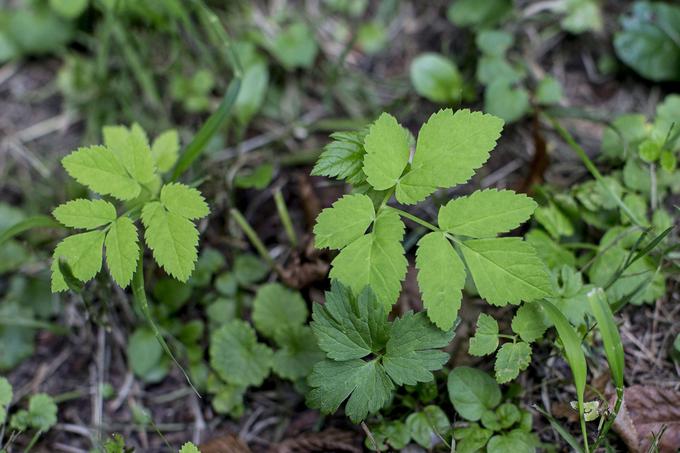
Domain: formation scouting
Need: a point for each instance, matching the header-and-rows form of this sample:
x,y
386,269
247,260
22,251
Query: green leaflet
x,y
387,152
486,213
344,222
236,355
276,307
165,150
529,322
122,250
184,201
189,448
83,213
506,270
472,392
449,149
131,147
485,340
441,278
511,359
376,259
343,158
83,253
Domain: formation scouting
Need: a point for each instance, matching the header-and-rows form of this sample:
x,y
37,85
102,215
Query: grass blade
x,y
39,221
561,430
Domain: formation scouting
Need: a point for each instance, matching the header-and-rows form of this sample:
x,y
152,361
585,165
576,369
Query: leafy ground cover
x,y
339,225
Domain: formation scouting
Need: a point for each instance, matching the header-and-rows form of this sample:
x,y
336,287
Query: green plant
x,y
449,149
40,416
498,427
193,92
127,169
437,79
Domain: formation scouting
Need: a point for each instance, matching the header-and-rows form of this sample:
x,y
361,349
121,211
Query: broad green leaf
x,y
505,100
471,439
666,121
507,415
511,359
131,147
472,13
165,150
184,201
257,178
623,135
375,259
549,91
98,168
436,78
249,269
387,152
450,147
365,383
145,356
506,270
485,340
441,278
428,426
516,441
485,213
582,16
295,46
42,412
172,239
252,93
83,213
69,9
343,223
412,352
529,322
83,253
276,307
472,392
613,347
189,448
237,357
6,395
349,327
494,42
122,250
298,352
343,158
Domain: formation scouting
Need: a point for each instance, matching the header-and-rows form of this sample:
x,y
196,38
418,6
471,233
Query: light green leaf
x,y
98,168
412,351
343,223
83,253
184,201
83,213
252,93
506,270
471,439
189,448
494,42
375,259
131,147
122,250
624,134
428,426
450,147
145,356
516,441
69,9
343,158
485,340
365,383
237,357
549,91
441,277
42,412
485,213
472,392
249,269
165,150
505,100
436,78
295,46
472,13
554,221
276,307
529,322
511,359
387,152
172,239
6,395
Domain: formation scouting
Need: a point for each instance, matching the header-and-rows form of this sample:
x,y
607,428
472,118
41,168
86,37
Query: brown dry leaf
x,y
645,411
329,440
224,444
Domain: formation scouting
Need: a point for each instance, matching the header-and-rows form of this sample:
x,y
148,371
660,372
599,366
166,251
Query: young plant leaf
x,y
511,359
184,201
276,307
529,322
165,150
122,250
83,253
485,340
387,152
343,158
345,222
237,357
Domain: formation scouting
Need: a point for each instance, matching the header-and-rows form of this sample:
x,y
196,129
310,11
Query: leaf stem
x,y
285,217
416,219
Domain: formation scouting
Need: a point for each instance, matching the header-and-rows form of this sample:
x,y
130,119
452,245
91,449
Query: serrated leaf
x,y
298,354
529,322
344,222
343,158
506,270
485,340
165,150
83,213
275,307
172,239
98,168
83,253
472,392
237,357
485,213
184,201
441,278
387,152
450,148
511,359
365,383
412,351
131,147
122,250
349,327
375,259
189,448
42,412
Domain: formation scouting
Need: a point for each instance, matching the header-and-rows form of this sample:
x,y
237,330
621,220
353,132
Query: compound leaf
x,y
344,222
485,213
122,250
506,270
184,201
387,152
84,213
237,357
485,340
83,253
511,359
441,277
98,168
450,148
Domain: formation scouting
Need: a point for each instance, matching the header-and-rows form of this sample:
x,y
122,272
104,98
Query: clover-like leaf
x,y
237,357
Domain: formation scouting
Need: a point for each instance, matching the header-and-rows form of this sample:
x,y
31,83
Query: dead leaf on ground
x,y
224,444
324,441
645,411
